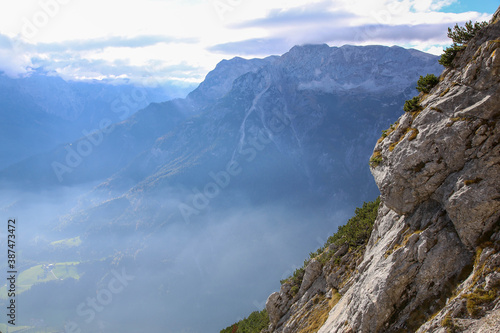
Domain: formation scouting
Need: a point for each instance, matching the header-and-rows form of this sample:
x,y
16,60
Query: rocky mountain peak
x,y
300,51
219,81
364,69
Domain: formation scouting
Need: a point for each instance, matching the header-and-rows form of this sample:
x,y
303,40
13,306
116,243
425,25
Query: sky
x,y
176,41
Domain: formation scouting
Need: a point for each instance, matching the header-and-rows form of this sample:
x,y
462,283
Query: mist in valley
x,y
193,275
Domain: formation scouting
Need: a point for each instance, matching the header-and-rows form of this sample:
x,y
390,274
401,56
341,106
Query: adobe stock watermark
x,y
47,11
222,7
76,153
258,305
289,272
219,180
124,106
382,17
88,310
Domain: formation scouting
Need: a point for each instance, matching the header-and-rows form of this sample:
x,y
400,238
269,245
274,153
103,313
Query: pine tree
x,y
460,37
426,83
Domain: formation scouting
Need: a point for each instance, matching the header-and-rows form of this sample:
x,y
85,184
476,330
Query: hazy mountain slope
x,y
25,128
101,153
307,116
40,111
111,148
431,263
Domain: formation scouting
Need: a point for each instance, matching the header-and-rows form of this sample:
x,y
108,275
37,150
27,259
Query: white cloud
x,y
14,66
436,50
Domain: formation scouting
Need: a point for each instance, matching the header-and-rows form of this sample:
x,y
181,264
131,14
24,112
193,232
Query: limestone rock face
x,y
294,310
313,270
404,274
272,307
454,157
432,263
440,184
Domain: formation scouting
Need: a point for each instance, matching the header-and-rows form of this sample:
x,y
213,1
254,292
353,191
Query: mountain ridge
x,y
242,114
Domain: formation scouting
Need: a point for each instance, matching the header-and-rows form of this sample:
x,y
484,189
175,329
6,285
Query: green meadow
x,y
38,274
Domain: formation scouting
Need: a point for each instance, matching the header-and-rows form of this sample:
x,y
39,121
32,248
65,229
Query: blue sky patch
x,y
482,6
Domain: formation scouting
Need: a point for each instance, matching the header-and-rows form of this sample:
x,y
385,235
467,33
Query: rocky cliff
x,y
432,262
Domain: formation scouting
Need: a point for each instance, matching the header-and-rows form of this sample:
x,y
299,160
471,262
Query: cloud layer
x,y
182,40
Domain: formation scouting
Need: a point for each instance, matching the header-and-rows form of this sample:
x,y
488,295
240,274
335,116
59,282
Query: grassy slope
x,y
37,274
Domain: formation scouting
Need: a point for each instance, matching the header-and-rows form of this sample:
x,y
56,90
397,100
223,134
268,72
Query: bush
x,y
460,37
412,105
376,159
391,129
449,54
426,83
253,324
359,228
298,275
477,298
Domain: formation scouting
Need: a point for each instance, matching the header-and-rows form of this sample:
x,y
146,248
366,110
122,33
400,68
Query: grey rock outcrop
x,y
273,310
313,270
432,263
456,147
439,179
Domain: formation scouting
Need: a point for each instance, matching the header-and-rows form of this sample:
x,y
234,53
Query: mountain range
x,y
251,167
41,111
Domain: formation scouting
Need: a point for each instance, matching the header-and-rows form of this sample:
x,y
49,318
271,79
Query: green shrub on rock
x,y
426,83
253,324
412,105
460,37
449,54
